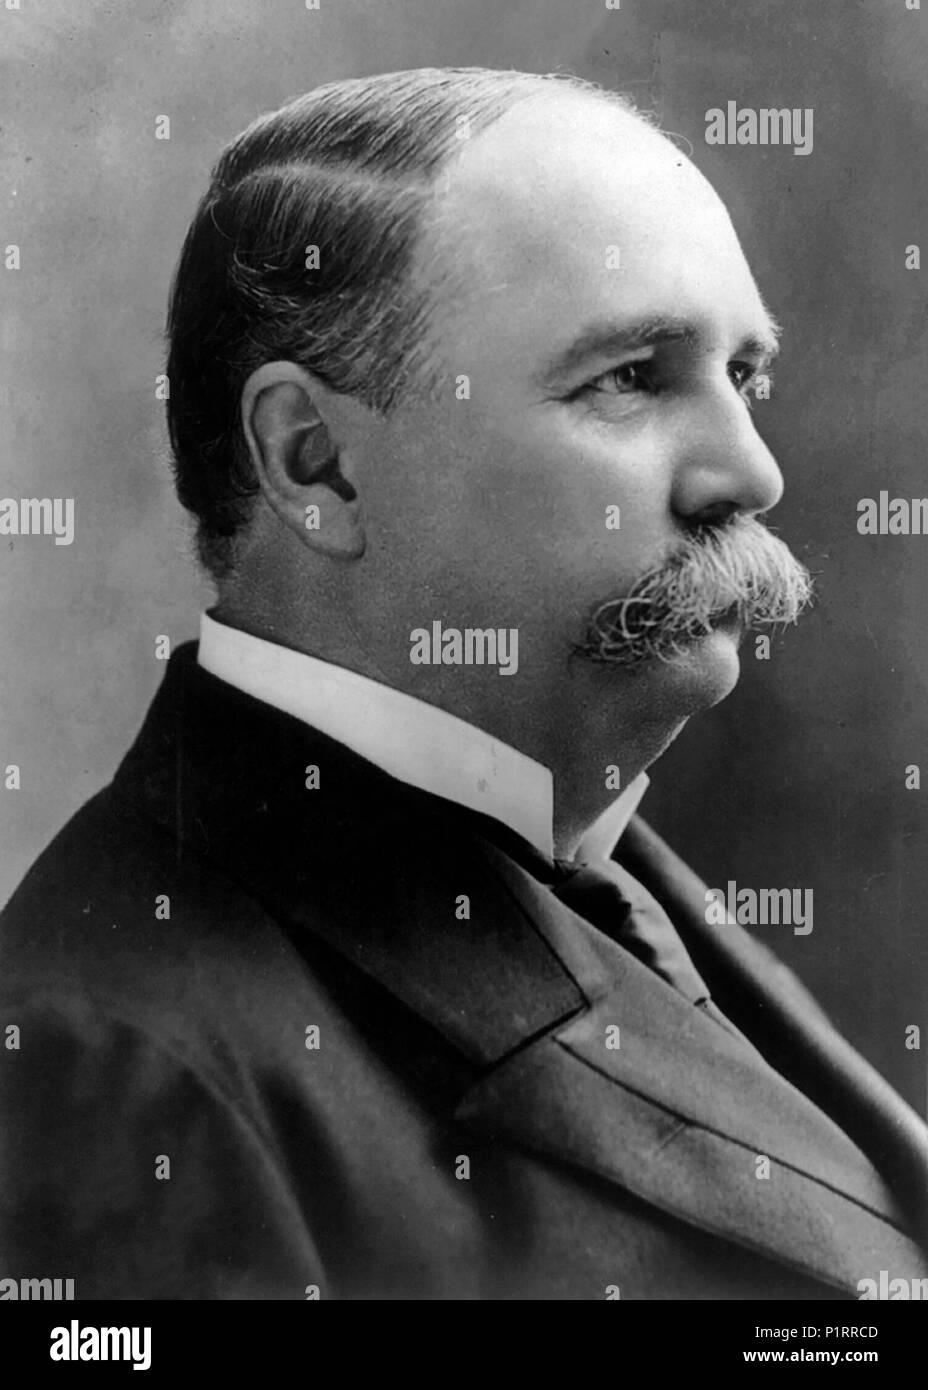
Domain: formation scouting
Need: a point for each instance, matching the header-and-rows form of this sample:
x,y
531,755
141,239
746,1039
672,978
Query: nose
x,y
724,467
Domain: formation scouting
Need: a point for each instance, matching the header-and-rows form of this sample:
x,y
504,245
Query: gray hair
x,y
347,169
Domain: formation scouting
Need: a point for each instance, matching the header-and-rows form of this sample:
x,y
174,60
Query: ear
x,y
292,430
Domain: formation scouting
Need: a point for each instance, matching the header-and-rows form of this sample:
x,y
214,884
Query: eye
x,y
741,375
625,380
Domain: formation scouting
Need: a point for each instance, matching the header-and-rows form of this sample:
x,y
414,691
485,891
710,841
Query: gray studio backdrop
x,y
798,780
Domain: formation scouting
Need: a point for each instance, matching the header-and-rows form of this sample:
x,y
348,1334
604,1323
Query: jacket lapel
x,y
551,1098
767,1002
681,1112
377,869
409,888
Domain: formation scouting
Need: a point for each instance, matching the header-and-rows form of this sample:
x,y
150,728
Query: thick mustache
x,y
738,571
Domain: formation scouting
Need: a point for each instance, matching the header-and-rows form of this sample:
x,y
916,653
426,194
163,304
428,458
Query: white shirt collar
x,y
411,740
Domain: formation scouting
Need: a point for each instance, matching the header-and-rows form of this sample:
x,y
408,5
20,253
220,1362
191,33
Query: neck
x,y
587,732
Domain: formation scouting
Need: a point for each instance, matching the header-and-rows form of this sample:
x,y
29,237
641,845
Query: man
x,y
362,980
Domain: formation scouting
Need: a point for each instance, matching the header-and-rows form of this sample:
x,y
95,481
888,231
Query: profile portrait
x,y
463,771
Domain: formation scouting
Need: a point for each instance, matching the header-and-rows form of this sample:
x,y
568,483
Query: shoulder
x,y
110,913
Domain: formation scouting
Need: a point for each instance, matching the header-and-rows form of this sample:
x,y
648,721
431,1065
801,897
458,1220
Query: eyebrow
x,y
609,338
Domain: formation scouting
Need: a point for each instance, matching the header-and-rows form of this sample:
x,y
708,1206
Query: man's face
x,y
606,323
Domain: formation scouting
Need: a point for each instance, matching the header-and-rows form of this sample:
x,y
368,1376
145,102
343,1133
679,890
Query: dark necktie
x,y
607,896
613,901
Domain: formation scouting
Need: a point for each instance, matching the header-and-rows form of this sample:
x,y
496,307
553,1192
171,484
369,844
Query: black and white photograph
x,y
464,524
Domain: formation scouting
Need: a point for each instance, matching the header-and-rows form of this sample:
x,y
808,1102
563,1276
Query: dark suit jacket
x,y
462,1129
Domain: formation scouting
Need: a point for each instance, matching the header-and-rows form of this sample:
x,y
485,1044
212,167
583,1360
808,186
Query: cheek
x,y
520,519
596,508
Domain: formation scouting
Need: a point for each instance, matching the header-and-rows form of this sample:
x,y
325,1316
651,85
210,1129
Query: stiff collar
x,y
413,741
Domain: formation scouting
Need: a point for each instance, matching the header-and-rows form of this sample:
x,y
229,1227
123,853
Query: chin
x,y
704,674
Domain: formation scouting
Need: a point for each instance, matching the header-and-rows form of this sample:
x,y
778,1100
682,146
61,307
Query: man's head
x,y
308,247
475,319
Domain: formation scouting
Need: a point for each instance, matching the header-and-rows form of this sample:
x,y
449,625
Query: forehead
x,y
569,210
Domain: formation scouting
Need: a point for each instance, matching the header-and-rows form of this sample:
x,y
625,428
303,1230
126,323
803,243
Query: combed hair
x,y
349,169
